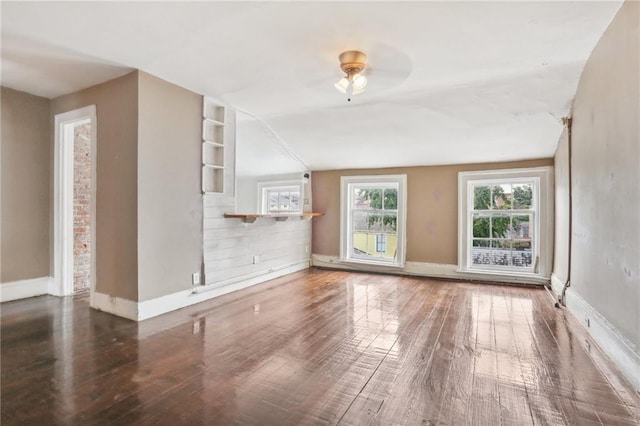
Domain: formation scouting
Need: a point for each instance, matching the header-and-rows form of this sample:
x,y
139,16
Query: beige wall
x,y
169,187
26,168
117,159
605,266
432,208
562,209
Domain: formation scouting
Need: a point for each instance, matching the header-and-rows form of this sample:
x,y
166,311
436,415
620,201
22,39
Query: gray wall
x,y
26,167
605,266
169,187
116,196
562,200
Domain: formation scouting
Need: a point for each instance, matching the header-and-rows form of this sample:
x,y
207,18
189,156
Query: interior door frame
x,y
62,283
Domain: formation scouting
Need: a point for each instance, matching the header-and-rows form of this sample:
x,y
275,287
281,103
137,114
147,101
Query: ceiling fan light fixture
x,y
352,62
359,83
342,85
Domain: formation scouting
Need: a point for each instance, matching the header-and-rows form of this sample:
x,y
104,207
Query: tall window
x,y
373,217
502,217
505,221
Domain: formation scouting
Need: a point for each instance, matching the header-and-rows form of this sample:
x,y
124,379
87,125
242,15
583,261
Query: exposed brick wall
x,y
81,207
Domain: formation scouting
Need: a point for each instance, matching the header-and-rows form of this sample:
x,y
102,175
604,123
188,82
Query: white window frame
x,y
290,185
346,242
542,200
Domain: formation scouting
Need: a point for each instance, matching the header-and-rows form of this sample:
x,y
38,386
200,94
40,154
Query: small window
x,y
504,221
279,198
373,217
381,243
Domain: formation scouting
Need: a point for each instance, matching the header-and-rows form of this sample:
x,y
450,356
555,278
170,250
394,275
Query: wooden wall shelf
x,y
250,218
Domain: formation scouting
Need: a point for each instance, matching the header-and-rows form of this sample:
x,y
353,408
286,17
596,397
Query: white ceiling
x,y
449,82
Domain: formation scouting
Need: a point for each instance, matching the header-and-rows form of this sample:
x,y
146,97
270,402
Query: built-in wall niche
x,y
213,147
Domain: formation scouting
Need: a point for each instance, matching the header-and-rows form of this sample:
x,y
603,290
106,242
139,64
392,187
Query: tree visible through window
x,y
505,222
502,218
374,216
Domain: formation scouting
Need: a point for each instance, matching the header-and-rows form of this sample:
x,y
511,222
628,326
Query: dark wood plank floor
x,y
316,347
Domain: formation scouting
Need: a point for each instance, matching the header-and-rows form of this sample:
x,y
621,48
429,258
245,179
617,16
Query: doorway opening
x,y
74,202
82,206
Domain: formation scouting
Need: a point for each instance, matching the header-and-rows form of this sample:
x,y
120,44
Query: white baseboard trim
x,y
22,289
617,347
115,305
423,269
184,298
556,285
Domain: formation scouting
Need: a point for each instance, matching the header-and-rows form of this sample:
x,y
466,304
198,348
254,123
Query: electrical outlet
x,y
195,278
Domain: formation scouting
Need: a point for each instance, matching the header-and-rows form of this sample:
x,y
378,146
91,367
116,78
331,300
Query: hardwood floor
x,y
316,347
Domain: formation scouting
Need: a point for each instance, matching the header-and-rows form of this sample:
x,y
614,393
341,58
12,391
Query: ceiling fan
x,y
352,63
382,68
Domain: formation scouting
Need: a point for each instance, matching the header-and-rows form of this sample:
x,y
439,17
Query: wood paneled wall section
x,y
230,244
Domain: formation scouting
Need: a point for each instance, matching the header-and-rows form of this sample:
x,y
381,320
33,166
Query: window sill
x,y
489,274
373,263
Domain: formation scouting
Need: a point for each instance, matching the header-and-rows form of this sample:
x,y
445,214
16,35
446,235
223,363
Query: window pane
x,y
390,199
521,254
390,222
481,226
481,198
273,201
375,222
360,222
501,196
481,252
501,251
295,201
374,196
500,224
360,199
522,195
522,226
283,201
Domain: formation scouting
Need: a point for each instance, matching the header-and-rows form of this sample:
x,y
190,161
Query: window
x,y
279,197
373,217
505,221
381,243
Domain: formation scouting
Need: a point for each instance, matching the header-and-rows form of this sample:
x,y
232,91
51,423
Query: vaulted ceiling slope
x,y
449,82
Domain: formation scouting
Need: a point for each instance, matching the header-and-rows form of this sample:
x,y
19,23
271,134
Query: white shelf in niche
x,y
213,112
212,132
212,179
213,149
212,154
